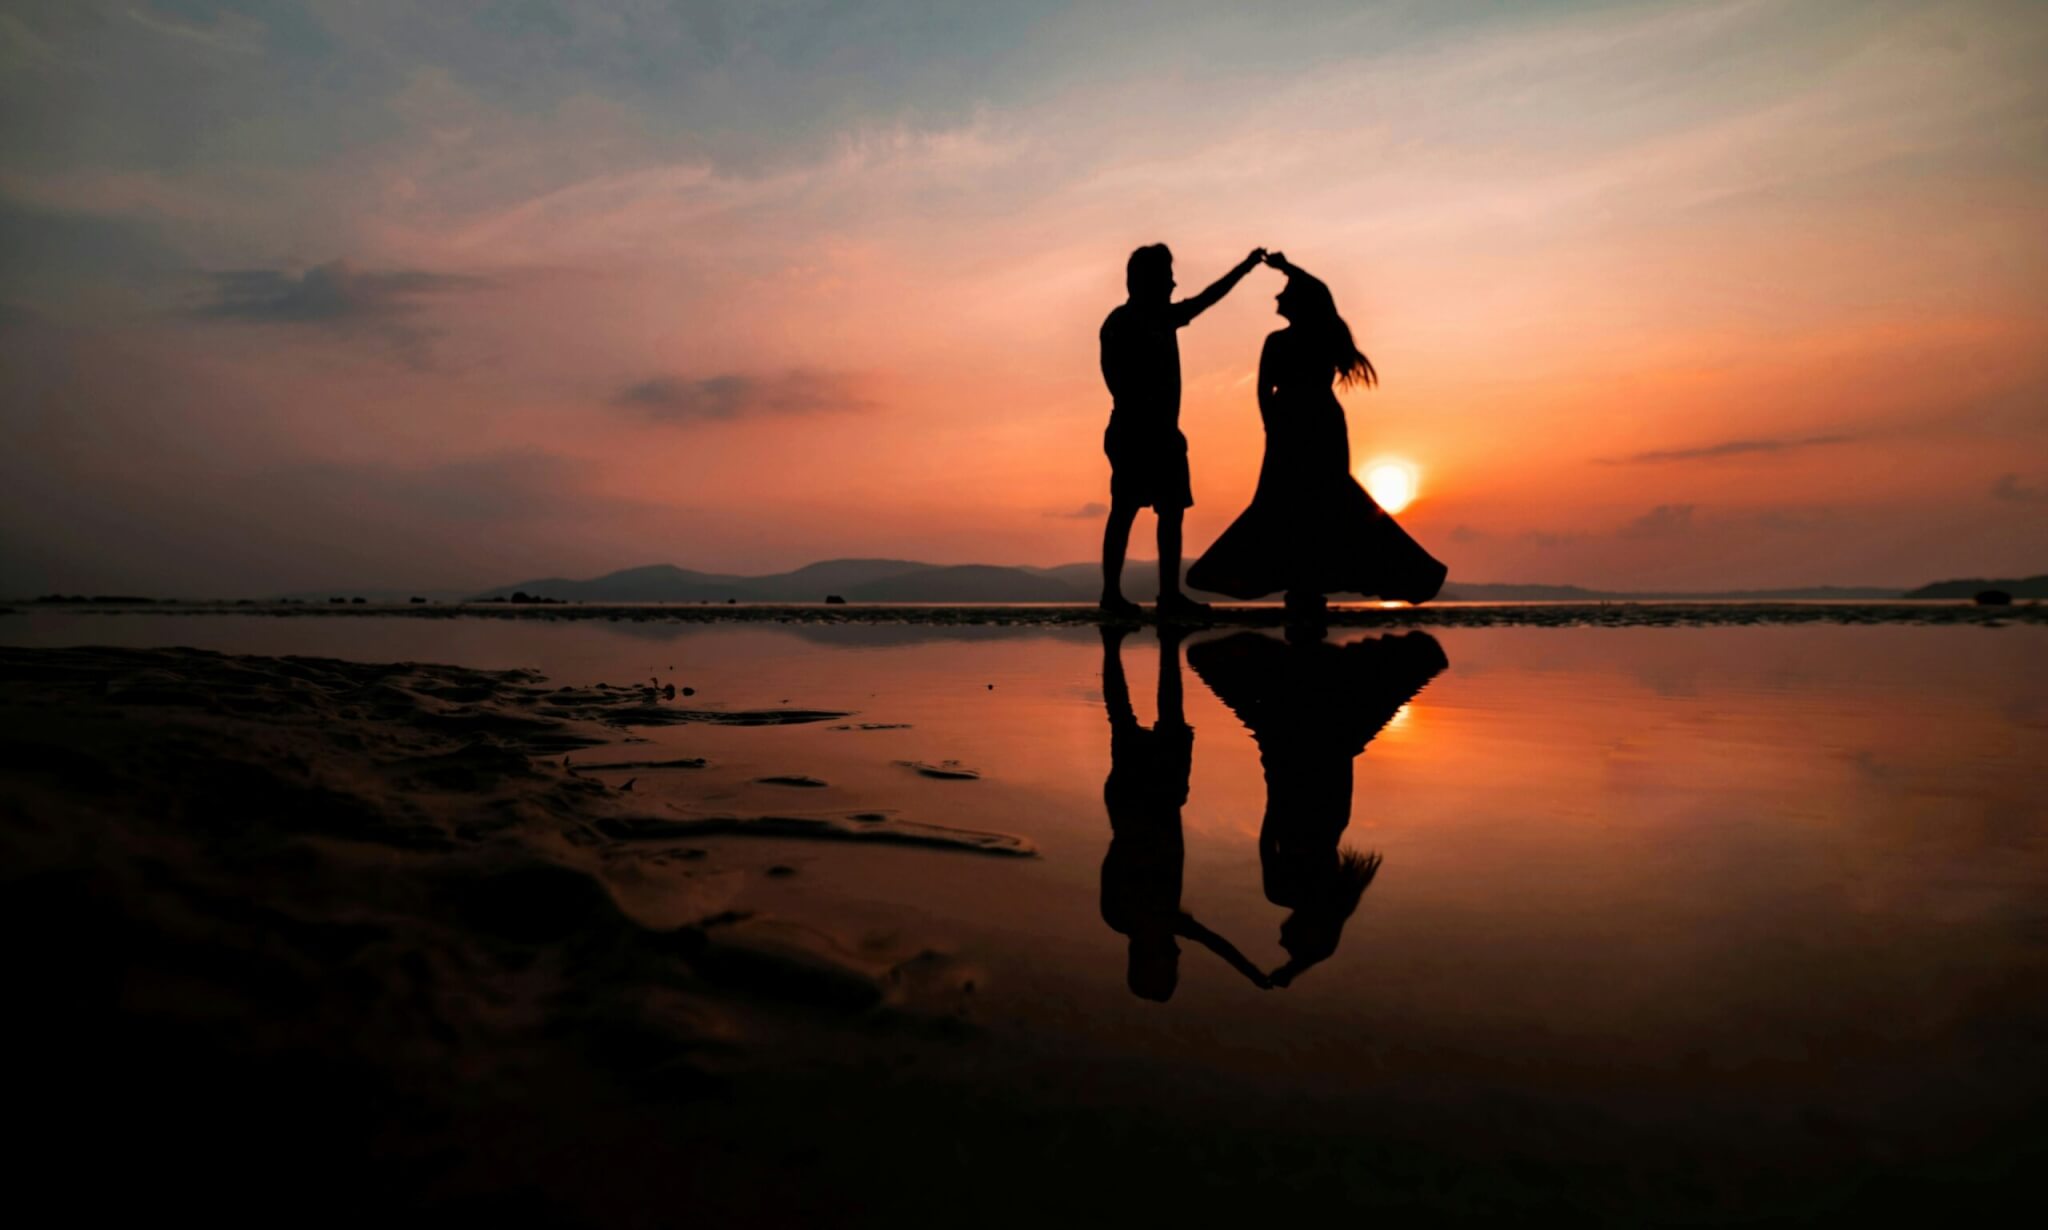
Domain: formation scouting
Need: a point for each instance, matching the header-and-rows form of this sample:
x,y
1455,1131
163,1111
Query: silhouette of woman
x,y
1146,788
1312,707
1311,529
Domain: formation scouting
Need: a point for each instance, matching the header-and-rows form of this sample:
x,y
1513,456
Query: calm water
x,y
1776,893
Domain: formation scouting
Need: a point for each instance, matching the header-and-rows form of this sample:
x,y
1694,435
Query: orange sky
x,y
1662,296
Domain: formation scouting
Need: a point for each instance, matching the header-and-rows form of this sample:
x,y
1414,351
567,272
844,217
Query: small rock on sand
x,y
683,762
948,770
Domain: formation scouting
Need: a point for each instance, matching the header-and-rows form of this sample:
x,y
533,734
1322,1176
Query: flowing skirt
x,y
1315,534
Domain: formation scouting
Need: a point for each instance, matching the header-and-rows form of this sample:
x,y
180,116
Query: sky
x,y
1740,293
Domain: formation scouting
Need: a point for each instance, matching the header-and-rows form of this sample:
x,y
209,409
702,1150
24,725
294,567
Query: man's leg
x,y
1172,714
1171,600
1169,553
1116,537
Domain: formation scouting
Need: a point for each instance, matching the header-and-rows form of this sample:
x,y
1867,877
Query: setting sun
x,y
1390,481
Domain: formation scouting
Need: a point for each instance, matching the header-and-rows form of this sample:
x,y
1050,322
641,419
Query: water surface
x,y
1736,914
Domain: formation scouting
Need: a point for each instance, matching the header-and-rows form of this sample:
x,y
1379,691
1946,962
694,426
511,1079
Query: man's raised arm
x,y
1189,308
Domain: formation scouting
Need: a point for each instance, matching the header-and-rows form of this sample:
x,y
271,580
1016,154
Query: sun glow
x,y
1390,481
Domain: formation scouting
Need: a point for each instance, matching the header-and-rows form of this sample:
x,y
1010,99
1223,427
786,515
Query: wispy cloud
x,y
1727,448
333,293
1663,521
734,395
229,32
2009,487
335,296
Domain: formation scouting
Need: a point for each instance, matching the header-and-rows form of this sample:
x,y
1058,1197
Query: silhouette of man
x,y
1146,788
1148,455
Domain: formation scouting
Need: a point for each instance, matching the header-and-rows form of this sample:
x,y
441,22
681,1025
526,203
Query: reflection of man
x,y
1148,457
1146,788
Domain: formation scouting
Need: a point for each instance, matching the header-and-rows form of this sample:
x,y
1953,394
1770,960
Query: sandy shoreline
x,y
366,930
1445,615
404,941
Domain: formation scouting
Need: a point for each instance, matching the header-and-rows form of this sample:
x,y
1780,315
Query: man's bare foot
x,y
1117,604
1180,606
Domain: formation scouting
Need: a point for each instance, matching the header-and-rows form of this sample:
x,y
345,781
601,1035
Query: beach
x,y
778,919
1676,613
885,615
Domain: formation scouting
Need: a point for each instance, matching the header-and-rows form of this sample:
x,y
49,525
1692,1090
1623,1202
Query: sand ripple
x,y
371,903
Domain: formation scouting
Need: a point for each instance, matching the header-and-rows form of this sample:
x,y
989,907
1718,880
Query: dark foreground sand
x,y
292,940
296,937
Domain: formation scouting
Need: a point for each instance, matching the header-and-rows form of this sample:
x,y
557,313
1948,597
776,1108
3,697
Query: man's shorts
x,y
1149,468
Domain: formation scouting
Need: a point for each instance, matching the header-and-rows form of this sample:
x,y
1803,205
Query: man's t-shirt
x,y
1146,789
1141,366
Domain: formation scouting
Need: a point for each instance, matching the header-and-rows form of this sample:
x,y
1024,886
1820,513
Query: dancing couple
x,y
1311,530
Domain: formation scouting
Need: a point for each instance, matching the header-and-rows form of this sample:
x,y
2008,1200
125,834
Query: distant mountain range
x,y
1479,592
2018,587
896,580
856,580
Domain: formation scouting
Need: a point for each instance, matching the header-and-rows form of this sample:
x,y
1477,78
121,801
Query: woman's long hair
x,y
1310,933
1317,314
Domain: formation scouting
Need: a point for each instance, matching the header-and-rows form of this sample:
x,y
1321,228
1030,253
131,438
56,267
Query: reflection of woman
x,y
1147,787
1312,707
1311,529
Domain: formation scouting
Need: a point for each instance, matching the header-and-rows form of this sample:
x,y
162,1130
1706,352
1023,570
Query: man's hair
x,y
1148,264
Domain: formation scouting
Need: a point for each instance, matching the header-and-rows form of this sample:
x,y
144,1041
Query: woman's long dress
x,y
1312,707
1311,529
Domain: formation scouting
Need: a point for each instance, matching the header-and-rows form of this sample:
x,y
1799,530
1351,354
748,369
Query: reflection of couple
x,y
1311,707
1311,529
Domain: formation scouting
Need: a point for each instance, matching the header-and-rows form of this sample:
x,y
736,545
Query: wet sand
x,y
1228,615
291,931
